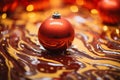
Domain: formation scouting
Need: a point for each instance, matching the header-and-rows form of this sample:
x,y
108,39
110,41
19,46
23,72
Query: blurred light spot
x,y
30,7
4,15
31,15
42,69
79,2
79,19
94,11
3,44
74,8
56,3
52,68
105,28
117,31
5,8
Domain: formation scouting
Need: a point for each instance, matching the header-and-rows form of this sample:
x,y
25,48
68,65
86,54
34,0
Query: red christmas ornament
x,y
56,33
109,11
90,4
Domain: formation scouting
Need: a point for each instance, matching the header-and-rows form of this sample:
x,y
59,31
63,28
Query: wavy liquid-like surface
x,y
94,55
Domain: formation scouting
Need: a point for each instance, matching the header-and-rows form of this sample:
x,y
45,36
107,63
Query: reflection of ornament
x,y
56,33
109,11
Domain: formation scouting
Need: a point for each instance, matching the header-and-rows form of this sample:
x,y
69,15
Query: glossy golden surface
x,y
94,54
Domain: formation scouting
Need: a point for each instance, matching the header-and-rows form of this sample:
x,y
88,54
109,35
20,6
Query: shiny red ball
x,y
109,11
90,4
56,33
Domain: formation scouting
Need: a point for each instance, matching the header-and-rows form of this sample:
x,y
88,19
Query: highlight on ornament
x,y
56,33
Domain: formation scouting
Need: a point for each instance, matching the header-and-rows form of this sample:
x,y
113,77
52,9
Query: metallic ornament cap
x,y
56,15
